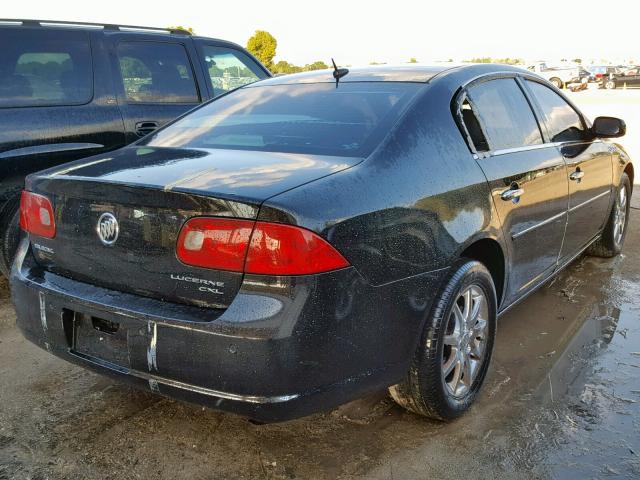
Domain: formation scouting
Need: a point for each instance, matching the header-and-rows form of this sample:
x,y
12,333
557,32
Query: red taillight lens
x,y
599,75
219,243
36,215
255,247
278,249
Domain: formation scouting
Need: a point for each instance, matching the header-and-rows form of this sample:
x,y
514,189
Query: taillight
x,y
277,249
255,247
36,215
219,243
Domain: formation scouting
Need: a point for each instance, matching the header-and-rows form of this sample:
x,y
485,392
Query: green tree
x,y
188,29
413,60
263,46
319,65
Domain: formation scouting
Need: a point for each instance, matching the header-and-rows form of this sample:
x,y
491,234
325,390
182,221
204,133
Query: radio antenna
x,y
338,73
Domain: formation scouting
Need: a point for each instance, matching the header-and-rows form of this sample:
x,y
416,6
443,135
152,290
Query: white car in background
x,y
559,76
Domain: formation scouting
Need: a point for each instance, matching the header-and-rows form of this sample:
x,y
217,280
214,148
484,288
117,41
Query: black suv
x,y
72,90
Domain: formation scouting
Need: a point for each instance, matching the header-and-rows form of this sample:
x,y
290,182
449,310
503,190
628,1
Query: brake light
x,y
36,215
277,249
219,243
255,247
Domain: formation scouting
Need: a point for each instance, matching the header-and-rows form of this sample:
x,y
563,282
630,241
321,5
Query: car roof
x,y
372,73
108,28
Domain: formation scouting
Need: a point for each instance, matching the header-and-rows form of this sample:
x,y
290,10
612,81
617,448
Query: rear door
x,y
156,81
589,167
227,68
527,178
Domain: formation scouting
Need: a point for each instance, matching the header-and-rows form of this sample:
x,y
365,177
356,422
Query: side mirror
x,y
608,127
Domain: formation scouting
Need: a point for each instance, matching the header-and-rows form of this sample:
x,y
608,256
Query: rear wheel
x,y
609,84
9,234
557,82
455,349
612,239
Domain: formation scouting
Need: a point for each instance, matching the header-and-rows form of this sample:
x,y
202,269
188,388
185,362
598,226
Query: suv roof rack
x,y
104,26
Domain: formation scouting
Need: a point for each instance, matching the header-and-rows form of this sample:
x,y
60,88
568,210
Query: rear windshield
x,y
301,118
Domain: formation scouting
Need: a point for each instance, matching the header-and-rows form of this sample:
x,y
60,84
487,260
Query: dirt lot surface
x,y
562,400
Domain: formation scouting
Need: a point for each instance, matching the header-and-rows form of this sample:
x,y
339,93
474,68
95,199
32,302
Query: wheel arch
x,y
490,253
628,169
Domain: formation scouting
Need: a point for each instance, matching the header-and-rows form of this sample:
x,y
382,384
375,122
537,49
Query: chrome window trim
x,y
539,146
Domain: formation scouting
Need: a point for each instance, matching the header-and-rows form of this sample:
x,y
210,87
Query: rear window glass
x,y
44,68
297,118
156,73
505,114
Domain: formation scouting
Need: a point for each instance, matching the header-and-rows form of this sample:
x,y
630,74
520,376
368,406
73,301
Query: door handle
x,y
577,175
511,194
144,128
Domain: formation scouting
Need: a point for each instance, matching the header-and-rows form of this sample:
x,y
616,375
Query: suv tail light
x,y
36,215
255,247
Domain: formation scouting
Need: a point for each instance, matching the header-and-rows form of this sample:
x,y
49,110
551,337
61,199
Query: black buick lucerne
x,y
300,241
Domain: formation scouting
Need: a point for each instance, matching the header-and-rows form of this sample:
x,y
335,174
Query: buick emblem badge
x,y
108,229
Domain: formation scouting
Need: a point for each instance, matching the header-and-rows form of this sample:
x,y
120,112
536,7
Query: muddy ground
x,y
562,400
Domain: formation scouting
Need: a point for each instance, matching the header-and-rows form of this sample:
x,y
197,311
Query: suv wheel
x,y
9,234
609,84
612,239
455,349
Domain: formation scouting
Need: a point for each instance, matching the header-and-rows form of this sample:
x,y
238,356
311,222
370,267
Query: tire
x,y
428,389
557,82
610,85
9,234
615,231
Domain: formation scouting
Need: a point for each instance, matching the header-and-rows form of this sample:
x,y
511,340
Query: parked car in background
x,y
69,91
619,77
300,242
558,76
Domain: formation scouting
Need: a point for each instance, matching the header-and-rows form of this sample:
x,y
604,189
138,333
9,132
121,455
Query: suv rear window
x,y
44,68
297,118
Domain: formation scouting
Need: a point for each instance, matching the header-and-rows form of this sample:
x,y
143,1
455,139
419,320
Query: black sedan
x,y
621,77
310,238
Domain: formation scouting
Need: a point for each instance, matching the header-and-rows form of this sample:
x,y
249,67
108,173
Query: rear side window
x,y
563,122
229,69
44,68
297,118
154,72
504,114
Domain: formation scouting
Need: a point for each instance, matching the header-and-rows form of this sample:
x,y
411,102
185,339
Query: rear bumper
x,y
285,348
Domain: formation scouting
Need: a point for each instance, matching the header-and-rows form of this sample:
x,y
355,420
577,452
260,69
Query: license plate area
x,y
97,337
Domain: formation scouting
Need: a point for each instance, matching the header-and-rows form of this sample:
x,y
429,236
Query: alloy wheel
x,y
465,341
620,216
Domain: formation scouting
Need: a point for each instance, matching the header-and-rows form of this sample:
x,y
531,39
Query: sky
x,y
356,32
